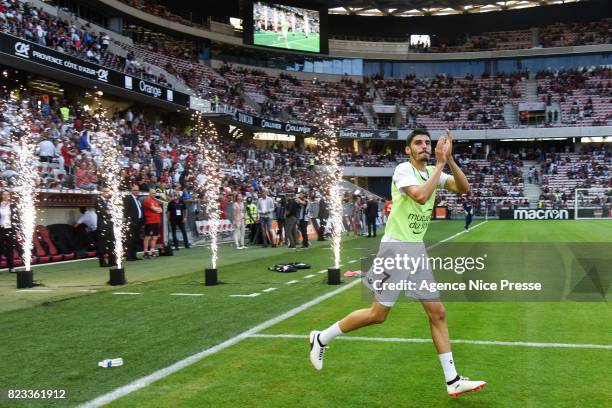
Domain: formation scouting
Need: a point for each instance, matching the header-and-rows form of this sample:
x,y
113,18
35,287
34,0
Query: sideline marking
x,y
477,342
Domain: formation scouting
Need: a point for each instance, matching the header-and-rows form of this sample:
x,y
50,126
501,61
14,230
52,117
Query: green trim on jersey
x,y
409,220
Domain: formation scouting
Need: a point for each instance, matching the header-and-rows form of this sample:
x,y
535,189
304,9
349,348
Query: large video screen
x,y
287,27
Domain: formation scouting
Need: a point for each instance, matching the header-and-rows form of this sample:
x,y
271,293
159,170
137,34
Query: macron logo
x,y
541,215
22,49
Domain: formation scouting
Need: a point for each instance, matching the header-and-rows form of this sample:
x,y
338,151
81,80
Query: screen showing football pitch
x,y
288,27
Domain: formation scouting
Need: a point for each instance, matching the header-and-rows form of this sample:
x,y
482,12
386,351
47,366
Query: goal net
x,y
593,203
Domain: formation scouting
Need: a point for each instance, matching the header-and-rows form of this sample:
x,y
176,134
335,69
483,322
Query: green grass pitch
x,y
54,339
296,42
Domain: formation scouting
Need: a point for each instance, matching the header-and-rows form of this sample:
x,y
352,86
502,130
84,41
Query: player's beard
x,y
422,157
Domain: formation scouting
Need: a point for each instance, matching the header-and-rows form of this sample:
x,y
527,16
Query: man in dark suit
x,y
371,213
9,221
177,214
304,218
291,219
134,214
105,238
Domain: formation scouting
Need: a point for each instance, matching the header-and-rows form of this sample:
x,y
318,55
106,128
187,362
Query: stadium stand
x,y
584,95
546,36
22,20
459,103
564,172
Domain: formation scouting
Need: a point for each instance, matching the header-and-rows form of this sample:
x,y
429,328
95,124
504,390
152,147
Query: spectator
x,y
9,220
251,219
238,219
371,213
177,210
265,210
152,213
291,220
134,214
46,151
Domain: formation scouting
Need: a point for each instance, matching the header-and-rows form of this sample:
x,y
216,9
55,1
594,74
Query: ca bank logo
x,y
102,75
22,49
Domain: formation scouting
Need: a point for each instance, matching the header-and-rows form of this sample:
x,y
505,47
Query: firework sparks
x,y
332,176
208,163
25,145
110,170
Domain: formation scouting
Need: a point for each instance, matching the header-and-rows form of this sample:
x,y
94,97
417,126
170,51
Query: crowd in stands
x,y
153,154
553,35
489,41
161,158
22,20
562,173
459,103
582,33
286,97
585,95
496,181
160,10
433,103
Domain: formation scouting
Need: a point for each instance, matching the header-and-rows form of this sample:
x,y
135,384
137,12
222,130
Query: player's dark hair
x,y
417,132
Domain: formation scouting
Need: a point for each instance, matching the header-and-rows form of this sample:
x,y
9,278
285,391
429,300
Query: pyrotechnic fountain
x,y
25,145
332,175
208,163
109,169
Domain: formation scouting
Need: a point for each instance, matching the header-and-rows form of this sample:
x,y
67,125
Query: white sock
x,y
328,334
448,365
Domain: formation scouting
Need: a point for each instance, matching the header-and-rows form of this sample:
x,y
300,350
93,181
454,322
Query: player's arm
x,y
422,193
457,182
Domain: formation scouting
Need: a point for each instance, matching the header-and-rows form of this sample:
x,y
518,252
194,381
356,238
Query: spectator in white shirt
x,y
46,151
89,218
265,209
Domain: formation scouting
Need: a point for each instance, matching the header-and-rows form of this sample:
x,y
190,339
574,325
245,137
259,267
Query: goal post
x,y
593,204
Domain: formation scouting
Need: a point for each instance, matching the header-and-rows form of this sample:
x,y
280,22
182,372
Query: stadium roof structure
x,y
412,8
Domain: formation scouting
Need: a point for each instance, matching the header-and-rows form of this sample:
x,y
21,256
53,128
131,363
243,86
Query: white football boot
x,y
317,350
463,385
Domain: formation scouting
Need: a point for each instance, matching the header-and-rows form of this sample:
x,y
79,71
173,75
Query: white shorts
x,y
400,268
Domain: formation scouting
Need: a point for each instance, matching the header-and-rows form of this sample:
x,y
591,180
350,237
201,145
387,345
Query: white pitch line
x,y
292,282
476,342
455,235
269,290
34,290
186,294
322,271
309,276
353,261
88,290
179,365
127,293
252,295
